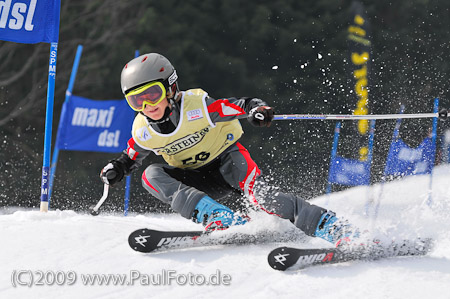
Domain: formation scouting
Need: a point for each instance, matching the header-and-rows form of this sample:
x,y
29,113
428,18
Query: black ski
x,y
148,240
284,258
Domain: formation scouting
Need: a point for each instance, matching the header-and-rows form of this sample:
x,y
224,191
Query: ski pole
x,y
94,210
443,114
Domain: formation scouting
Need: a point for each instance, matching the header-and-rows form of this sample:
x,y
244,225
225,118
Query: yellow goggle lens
x,y
149,94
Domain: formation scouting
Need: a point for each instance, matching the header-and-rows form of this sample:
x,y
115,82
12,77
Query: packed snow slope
x,y
62,249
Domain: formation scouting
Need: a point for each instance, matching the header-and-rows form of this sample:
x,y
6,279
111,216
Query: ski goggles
x,y
149,94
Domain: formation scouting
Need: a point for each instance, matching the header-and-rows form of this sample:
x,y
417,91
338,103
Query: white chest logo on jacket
x,y
143,134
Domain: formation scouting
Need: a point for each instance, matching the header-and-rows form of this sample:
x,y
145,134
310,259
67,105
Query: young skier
x,y
198,137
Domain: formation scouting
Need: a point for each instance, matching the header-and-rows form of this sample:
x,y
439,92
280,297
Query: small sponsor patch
x,y
143,134
173,78
194,114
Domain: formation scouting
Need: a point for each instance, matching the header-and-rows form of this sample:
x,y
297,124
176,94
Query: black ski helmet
x,y
148,68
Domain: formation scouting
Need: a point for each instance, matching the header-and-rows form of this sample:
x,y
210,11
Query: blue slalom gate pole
x,y
128,179
433,140
337,130
371,138
69,90
48,126
127,196
369,163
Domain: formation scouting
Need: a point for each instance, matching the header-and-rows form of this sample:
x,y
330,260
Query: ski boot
x,y
335,230
215,216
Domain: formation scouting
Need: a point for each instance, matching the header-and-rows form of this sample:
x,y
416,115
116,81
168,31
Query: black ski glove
x,y
115,170
111,173
261,116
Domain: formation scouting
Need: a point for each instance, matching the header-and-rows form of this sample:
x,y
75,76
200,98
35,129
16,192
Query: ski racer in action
x,y
198,136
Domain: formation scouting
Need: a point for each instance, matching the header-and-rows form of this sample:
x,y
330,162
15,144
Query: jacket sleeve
x,y
231,108
133,156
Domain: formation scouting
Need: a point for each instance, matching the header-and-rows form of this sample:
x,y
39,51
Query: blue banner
x,y
349,172
29,21
403,160
97,126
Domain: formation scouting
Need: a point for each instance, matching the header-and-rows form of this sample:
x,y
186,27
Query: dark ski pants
x,y
233,171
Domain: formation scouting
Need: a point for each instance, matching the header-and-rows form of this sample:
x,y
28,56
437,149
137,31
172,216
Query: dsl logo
x,y
14,17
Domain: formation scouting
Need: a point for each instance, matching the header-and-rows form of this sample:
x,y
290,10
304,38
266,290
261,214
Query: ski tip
x,y
279,259
138,240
